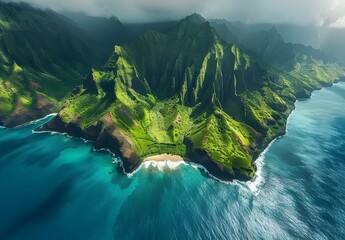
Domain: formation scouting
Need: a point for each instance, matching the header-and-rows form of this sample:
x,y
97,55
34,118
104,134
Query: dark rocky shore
x,y
106,135
104,138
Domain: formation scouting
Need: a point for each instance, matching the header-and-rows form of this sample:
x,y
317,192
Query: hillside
x,y
42,58
268,45
104,32
188,93
325,38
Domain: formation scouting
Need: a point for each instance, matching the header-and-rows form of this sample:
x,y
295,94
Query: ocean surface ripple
x,y
56,187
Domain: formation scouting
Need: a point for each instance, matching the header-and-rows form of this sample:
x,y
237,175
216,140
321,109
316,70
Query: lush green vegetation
x,y
161,89
42,58
190,84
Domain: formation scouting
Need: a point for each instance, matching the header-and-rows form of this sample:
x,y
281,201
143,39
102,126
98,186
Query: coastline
x,y
164,157
22,116
130,166
262,149
161,162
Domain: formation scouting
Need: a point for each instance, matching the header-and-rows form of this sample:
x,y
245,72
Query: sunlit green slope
x,y
42,58
188,93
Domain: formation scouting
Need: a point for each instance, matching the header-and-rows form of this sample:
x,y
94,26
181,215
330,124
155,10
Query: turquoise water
x,y
56,187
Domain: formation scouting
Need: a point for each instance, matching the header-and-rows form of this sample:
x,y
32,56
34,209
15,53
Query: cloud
x,y
339,23
301,12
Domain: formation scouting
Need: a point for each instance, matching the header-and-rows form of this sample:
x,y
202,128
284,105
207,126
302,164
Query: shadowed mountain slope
x,y
189,93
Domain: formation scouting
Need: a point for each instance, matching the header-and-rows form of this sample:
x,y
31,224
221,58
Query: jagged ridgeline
x,y
188,93
43,56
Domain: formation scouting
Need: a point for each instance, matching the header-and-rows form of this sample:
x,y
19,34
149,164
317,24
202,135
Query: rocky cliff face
x,y
188,93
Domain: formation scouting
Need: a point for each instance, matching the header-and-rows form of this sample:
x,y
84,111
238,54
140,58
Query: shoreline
x,y
166,158
162,161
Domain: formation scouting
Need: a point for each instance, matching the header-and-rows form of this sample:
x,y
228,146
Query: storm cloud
x,y
302,12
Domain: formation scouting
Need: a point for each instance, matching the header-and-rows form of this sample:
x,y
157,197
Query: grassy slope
x,y
41,56
163,88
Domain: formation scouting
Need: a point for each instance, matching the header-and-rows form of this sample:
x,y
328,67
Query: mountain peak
x,y
196,18
274,34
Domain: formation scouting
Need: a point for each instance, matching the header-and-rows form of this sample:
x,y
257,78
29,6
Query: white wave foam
x,y
161,165
44,118
65,135
115,159
36,120
288,120
256,183
258,180
253,185
168,164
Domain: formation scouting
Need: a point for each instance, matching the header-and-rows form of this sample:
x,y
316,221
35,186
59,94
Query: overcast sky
x,y
302,12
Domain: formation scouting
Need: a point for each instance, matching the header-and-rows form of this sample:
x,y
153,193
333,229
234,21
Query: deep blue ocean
x,y
55,187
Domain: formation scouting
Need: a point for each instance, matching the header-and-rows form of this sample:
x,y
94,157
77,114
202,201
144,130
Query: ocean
x,y
56,187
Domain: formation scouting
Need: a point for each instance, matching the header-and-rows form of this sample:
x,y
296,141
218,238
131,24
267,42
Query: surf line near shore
x,y
169,161
162,161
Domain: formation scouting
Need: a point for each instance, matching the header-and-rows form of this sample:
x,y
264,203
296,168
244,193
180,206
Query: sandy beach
x,y
164,157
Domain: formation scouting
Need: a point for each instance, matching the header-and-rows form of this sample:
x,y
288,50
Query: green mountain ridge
x,y
267,45
190,93
324,38
105,32
211,92
42,58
